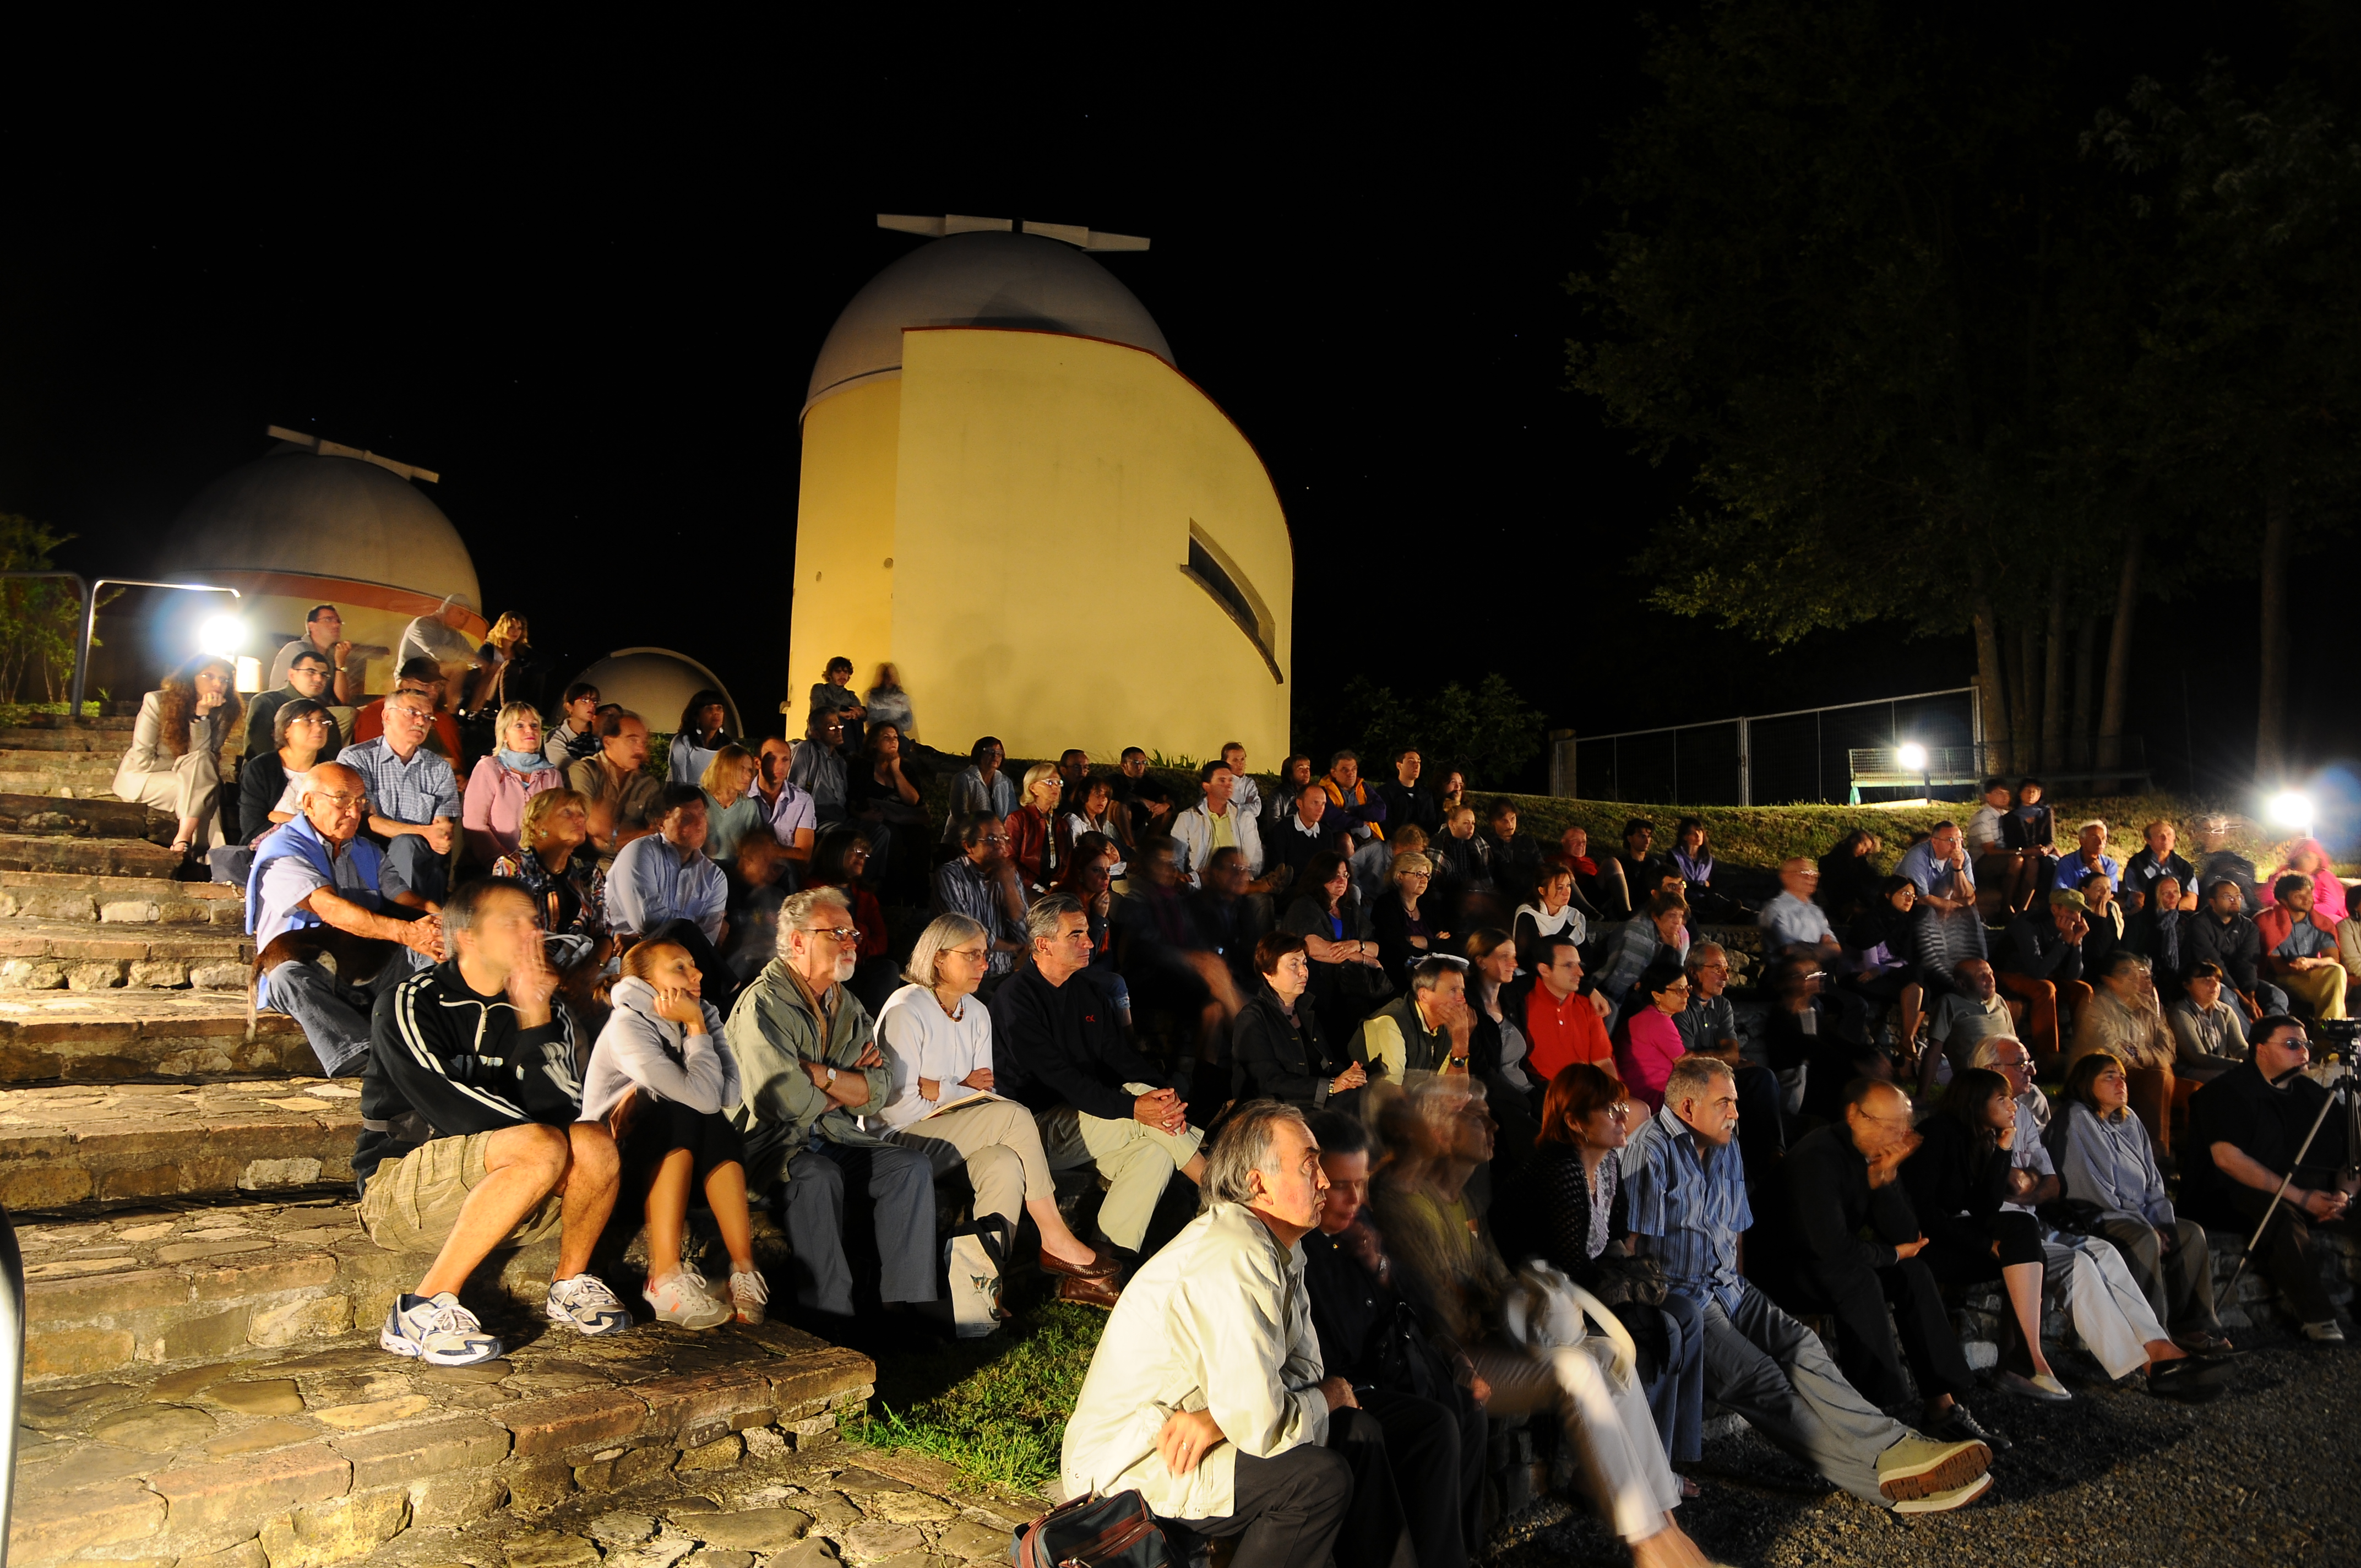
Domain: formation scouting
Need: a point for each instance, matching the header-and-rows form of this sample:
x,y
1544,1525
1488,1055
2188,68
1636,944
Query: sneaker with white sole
x,y
437,1330
1938,1502
750,1296
2042,1385
683,1299
2324,1333
585,1303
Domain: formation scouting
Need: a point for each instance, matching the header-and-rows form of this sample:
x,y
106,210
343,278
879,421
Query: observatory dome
x,y
656,683
295,512
990,278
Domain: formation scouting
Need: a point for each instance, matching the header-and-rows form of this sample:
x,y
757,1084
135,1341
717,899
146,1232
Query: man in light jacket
x,y
1214,823
1206,1394
811,1069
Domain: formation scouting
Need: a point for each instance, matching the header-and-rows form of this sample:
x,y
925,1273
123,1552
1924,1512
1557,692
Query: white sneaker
x,y
750,1294
682,1299
2324,1333
585,1303
438,1331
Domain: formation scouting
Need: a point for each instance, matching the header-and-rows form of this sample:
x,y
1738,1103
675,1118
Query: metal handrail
x,y
12,1375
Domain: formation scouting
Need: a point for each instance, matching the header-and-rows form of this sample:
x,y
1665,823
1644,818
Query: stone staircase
x,y
204,1384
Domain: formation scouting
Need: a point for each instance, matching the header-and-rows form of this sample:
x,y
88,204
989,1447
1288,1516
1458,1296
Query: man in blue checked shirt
x,y
1688,1198
413,801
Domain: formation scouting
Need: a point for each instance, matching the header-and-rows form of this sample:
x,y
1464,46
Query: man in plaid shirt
x,y
413,802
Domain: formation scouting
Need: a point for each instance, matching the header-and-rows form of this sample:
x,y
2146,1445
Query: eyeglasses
x,y
1620,1111
842,936
993,838
972,955
336,797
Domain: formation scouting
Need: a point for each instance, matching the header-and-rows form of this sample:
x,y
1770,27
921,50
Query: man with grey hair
x,y
1098,1101
1207,1393
413,801
982,883
1687,1206
808,1059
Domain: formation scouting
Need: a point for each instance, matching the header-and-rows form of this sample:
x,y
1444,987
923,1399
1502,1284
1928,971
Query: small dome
x,y
656,683
295,512
1018,281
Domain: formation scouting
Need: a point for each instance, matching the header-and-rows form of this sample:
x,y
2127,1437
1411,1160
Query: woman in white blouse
x,y
175,756
938,1042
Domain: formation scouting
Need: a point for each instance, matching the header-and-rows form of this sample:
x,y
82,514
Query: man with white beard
x,y
807,1055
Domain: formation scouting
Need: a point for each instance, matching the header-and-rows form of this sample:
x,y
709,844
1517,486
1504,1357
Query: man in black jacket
x,y
2220,934
1838,1187
1410,804
469,1140
2040,964
1058,1049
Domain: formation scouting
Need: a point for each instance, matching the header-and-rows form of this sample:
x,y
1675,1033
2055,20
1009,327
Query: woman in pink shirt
x,y
1648,1042
2305,857
493,808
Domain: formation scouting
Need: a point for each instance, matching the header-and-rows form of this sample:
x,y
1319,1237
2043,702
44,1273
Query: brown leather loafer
x,y
1101,1291
1101,1265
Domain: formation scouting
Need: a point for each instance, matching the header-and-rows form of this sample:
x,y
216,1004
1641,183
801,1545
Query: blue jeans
x,y
335,1016
413,866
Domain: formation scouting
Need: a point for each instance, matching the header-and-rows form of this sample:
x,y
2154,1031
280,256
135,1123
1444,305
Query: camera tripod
x,y
2341,1091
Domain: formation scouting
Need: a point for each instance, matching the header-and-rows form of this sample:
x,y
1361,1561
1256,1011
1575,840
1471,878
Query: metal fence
x,y
1771,759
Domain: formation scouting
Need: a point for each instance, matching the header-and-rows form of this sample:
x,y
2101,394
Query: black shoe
x,y
2188,1378
1959,1425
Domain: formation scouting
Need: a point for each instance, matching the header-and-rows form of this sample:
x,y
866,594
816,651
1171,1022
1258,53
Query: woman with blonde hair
x,y
506,646
886,703
175,756
1405,932
493,807
664,1082
731,811
937,1037
1033,827
550,862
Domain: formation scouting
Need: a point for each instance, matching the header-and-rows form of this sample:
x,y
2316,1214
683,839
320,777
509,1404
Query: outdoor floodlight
x,y
1911,756
2291,809
222,636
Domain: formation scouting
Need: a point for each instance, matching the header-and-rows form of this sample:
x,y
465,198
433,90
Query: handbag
x,y
974,1255
1115,1532
1637,1280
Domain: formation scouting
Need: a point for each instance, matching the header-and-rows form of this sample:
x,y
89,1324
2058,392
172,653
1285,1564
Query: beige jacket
x,y
1217,1322
148,754
2135,1035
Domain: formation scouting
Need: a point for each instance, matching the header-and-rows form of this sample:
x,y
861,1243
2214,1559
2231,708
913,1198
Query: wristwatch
x,y
831,1075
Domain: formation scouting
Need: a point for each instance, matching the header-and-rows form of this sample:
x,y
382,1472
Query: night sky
x,y
586,282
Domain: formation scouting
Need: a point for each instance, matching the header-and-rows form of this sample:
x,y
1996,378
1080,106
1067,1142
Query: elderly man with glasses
x,y
413,801
808,1059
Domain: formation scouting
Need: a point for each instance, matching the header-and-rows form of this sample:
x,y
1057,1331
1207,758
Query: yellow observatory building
x,y
1011,493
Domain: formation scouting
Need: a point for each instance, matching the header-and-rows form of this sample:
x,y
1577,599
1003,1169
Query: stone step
x,y
186,1280
66,854
134,1142
111,737
81,955
43,723
94,819
119,900
328,1452
95,1036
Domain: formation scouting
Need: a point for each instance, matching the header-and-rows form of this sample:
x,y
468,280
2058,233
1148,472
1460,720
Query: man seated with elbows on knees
x,y
807,1055
313,871
1687,1205
413,801
1206,1394
470,1132
1098,1101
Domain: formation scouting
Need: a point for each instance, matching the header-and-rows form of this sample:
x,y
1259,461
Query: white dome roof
x,y
296,511
989,279
656,683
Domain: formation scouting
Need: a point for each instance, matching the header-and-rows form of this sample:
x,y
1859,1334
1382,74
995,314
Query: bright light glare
x,y
1912,756
2291,809
221,635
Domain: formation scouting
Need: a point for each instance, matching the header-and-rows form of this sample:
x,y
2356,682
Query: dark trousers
x,y
411,865
1437,1473
1287,1510
1866,1353
2283,1253
2180,1283
900,1187
1761,1134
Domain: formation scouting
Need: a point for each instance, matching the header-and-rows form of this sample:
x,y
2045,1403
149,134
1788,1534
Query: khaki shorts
x,y
411,1204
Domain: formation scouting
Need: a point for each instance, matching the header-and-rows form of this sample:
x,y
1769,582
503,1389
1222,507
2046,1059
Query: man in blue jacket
x,y
469,1140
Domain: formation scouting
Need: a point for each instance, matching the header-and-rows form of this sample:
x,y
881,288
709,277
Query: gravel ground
x,y
2268,1474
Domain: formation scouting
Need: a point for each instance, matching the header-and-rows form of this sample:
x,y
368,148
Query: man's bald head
x,y
335,801
1799,876
1877,1114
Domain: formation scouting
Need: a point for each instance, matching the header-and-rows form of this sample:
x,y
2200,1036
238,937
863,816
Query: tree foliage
x,y
38,620
1491,733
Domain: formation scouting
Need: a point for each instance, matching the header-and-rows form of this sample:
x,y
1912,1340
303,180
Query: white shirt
x,y
921,1041
1218,1320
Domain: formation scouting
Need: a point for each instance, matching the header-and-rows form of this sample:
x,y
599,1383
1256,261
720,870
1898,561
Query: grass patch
x,y
994,1408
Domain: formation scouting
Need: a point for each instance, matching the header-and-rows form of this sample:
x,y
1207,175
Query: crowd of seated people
x,y
1501,1107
